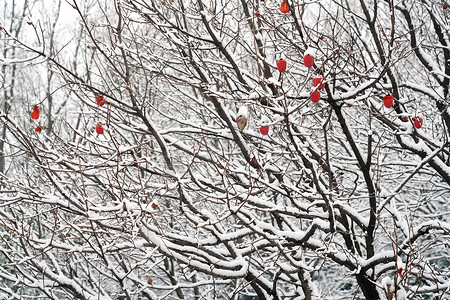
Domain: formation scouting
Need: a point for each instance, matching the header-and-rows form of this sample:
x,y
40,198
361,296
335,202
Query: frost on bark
x,y
151,178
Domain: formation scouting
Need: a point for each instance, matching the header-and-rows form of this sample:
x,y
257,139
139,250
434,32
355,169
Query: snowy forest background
x,y
344,198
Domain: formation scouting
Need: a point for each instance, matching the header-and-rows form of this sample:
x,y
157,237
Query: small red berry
x,y
127,88
284,8
317,81
154,206
315,97
38,129
308,60
418,123
281,65
99,129
264,130
35,113
388,100
100,100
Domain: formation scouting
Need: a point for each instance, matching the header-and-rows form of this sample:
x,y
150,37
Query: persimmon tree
x,y
232,149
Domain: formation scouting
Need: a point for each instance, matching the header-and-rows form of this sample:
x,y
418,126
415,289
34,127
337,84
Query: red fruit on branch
x,y
99,129
100,100
317,81
308,60
418,122
38,129
388,100
315,97
154,206
264,130
284,8
281,65
35,113
400,272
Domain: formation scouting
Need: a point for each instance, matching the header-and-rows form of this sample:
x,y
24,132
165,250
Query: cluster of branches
x,y
173,200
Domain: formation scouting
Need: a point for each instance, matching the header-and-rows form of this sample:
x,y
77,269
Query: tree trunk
x,y
367,286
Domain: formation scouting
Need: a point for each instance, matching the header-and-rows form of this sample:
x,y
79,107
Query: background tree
x,y
144,185
14,24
